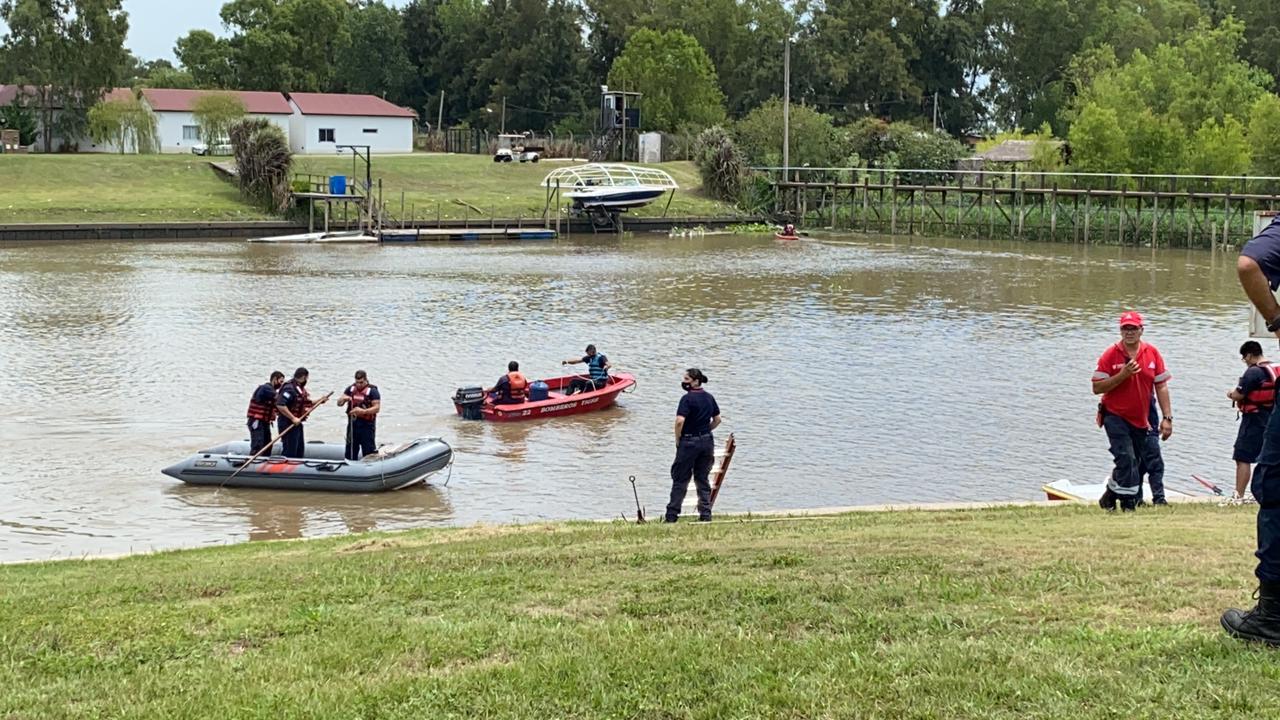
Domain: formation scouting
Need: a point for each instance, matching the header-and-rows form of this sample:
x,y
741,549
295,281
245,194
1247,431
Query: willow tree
x,y
125,123
215,114
263,162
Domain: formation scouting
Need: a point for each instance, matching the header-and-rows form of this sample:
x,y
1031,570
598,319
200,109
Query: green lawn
x,y
508,190
1009,613
115,188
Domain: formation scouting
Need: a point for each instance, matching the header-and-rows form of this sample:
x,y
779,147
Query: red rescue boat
x,y
467,401
780,236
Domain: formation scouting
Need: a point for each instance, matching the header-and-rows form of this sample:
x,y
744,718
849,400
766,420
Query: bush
x,y
263,161
814,139
720,163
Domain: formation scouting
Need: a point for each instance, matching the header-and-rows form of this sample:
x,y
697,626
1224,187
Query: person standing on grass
x,y
1126,376
1152,465
1259,271
1255,397
697,415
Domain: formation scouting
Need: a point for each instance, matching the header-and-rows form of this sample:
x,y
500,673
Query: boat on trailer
x,y
474,404
324,468
603,190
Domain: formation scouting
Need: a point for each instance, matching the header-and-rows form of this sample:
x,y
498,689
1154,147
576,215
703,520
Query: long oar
x,y
1216,490
271,444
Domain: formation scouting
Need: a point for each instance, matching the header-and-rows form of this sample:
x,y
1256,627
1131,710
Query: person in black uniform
x,y
363,402
1254,396
292,401
1259,272
262,410
697,415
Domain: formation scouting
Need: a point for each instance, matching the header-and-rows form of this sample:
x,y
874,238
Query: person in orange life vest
x,y
1255,396
512,388
1127,374
262,410
292,400
363,402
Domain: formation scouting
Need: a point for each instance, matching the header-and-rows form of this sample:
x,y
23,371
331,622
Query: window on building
x,y
326,135
371,131
191,133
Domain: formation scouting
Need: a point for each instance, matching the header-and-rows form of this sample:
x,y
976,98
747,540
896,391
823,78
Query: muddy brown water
x,y
853,370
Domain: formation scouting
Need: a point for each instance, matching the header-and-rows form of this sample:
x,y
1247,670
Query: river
x,y
852,370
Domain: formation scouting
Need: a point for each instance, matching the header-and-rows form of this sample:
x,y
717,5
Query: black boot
x,y
1108,500
1262,623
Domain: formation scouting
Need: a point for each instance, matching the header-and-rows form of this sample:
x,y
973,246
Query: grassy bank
x,y
1008,613
115,188
433,183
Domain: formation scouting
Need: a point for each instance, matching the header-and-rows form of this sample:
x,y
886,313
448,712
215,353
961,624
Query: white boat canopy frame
x,y
609,175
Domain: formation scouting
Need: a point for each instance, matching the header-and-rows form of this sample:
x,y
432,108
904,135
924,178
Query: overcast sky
x,y
154,25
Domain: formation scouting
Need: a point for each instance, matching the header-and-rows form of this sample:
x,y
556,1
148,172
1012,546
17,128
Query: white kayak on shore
x,y
1091,493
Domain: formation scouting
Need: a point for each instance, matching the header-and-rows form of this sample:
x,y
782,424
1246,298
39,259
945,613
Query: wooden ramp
x,y
719,470
463,234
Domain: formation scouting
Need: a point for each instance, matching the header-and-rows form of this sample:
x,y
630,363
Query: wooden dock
x,y
400,235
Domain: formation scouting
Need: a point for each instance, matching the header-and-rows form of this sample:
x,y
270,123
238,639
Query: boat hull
x,y
780,236
615,198
557,403
323,469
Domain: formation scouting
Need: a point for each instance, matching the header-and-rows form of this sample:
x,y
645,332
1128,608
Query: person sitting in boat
x,y
597,369
789,230
512,388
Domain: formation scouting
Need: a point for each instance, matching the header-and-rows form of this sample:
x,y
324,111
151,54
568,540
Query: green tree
x,y
376,61
1264,135
445,41
126,123
318,35
207,58
917,149
865,51
19,116
721,164
675,76
263,162
1219,148
71,51
216,113
1098,143
1262,32
814,138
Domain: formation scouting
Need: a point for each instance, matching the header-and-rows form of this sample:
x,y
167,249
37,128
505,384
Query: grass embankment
x,y
116,188
508,190
1009,613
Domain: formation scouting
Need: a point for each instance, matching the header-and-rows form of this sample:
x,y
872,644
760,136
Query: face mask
x,y
686,386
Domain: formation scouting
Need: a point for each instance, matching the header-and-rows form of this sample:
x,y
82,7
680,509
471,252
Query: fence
x,y
1156,210
473,141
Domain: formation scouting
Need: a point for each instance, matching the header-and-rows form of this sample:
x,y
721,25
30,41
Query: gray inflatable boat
x,y
324,467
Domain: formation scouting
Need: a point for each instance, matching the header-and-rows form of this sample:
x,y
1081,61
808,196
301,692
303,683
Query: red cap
x,y
1131,318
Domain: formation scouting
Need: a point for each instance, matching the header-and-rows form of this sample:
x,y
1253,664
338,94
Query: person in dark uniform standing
x,y
1152,464
1259,271
597,370
1254,396
262,410
363,402
291,402
697,415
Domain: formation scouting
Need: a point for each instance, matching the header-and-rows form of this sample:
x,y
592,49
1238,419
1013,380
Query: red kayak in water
x,y
780,236
556,404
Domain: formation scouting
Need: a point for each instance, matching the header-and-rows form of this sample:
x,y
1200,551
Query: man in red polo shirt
x,y
1127,374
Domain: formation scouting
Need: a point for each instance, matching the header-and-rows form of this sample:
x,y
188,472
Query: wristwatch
x,y
1168,417
1274,325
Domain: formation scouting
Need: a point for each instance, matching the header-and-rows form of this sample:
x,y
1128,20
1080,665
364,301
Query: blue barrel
x,y
538,391
337,184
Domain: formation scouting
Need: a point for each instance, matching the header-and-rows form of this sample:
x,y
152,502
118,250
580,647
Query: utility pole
x,y
786,105
503,131
440,116
935,111
624,120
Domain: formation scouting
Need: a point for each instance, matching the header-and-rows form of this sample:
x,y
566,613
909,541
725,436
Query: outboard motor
x,y
469,400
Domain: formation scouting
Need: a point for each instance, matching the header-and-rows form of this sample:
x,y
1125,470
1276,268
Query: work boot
x,y
1107,501
1159,501
1128,506
1262,623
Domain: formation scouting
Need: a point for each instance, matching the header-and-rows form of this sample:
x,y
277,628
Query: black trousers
x,y
585,385
259,435
360,439
294,442
694,456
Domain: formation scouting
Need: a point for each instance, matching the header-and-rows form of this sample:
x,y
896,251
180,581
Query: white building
x,y
322,121
177,126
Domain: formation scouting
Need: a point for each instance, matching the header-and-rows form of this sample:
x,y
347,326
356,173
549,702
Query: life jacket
x,y
517,386
301,399
596,366
360,399
1264,398
262,411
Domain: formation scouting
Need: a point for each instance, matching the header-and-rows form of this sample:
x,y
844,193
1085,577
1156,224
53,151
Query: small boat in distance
x,y
344,236
610,187
472,402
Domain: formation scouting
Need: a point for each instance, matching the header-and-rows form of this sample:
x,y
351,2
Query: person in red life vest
x,y
1255,396
512,388
292,400
1127,375
363,402
262,410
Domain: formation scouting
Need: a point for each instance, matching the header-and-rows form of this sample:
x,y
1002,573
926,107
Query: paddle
x,y
1216,490
271,444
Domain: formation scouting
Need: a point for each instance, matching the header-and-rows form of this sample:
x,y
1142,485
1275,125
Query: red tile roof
x,y
255,102
362,105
